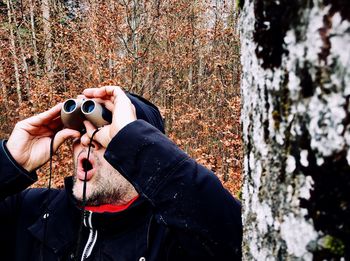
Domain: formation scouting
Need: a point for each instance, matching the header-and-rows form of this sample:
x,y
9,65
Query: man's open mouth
x,y
85,166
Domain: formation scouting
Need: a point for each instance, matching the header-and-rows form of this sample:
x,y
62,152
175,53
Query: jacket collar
x,y
111,221
63,218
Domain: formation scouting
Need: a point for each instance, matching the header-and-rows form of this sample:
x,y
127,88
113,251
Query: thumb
x,y
124,111
63,135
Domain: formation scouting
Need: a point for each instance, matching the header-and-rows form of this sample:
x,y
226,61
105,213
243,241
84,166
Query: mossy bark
x,y
296,129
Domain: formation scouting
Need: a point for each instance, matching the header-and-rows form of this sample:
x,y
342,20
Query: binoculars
x,y
74,112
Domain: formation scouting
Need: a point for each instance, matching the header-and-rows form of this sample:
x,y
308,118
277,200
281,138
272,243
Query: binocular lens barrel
x,y
88,106
70,105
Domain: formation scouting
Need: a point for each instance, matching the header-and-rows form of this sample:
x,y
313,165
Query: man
x,y
145,198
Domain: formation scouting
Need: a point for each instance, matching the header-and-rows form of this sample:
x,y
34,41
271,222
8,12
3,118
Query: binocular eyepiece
x,y
74,112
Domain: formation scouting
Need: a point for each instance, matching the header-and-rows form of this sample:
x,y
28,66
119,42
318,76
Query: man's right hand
x,y
29,143
116,101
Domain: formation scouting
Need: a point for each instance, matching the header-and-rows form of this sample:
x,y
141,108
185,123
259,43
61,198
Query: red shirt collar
x,y
110,207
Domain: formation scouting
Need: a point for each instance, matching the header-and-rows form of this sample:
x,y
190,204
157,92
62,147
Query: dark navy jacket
x,y
183,212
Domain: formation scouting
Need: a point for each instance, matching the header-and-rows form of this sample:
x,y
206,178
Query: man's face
x,y
104,184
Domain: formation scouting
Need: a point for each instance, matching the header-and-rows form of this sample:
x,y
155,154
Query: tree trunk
x,y
3,88
190,77
92,24
45,8
32,26
73,8
134,24
14,52
22,52
296,129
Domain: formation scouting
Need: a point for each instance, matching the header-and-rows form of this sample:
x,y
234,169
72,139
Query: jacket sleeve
x,y
187,197
13,178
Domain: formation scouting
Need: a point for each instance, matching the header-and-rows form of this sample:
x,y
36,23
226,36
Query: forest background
x,y
183,55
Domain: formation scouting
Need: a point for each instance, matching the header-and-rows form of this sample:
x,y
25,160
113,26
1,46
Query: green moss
x,y
239,194
239,4
277,118
333,245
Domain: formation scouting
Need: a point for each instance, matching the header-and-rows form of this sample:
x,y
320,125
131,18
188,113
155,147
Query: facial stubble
x,y
107,186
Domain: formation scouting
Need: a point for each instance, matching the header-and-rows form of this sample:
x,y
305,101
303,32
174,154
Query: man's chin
x,y
95,194
78,189
88,202
91,198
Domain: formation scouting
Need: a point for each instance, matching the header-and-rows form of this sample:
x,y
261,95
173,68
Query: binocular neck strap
x,y
48,197
47,202
84,199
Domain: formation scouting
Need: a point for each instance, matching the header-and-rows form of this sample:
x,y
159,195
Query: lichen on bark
x,y
296,129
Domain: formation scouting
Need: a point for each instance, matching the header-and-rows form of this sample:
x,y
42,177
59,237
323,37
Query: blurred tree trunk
x,y
137,39
96,49
296,129
73,7
3,88
22,52
45,9
134,21
14,51
200,66
32,26
192,49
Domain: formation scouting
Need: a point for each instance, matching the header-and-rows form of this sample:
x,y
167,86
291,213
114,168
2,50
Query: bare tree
x,y
3,87
22,52
34,40
45,8
14,51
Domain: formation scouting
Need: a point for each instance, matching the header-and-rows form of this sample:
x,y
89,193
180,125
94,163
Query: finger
x,y
55,124
63,135
124,109
105,95
120,97
95,92
90,128
107,103
101,92
112,90
45,117
81,97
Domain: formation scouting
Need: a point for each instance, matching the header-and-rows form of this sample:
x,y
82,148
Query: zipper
x,y
90,243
